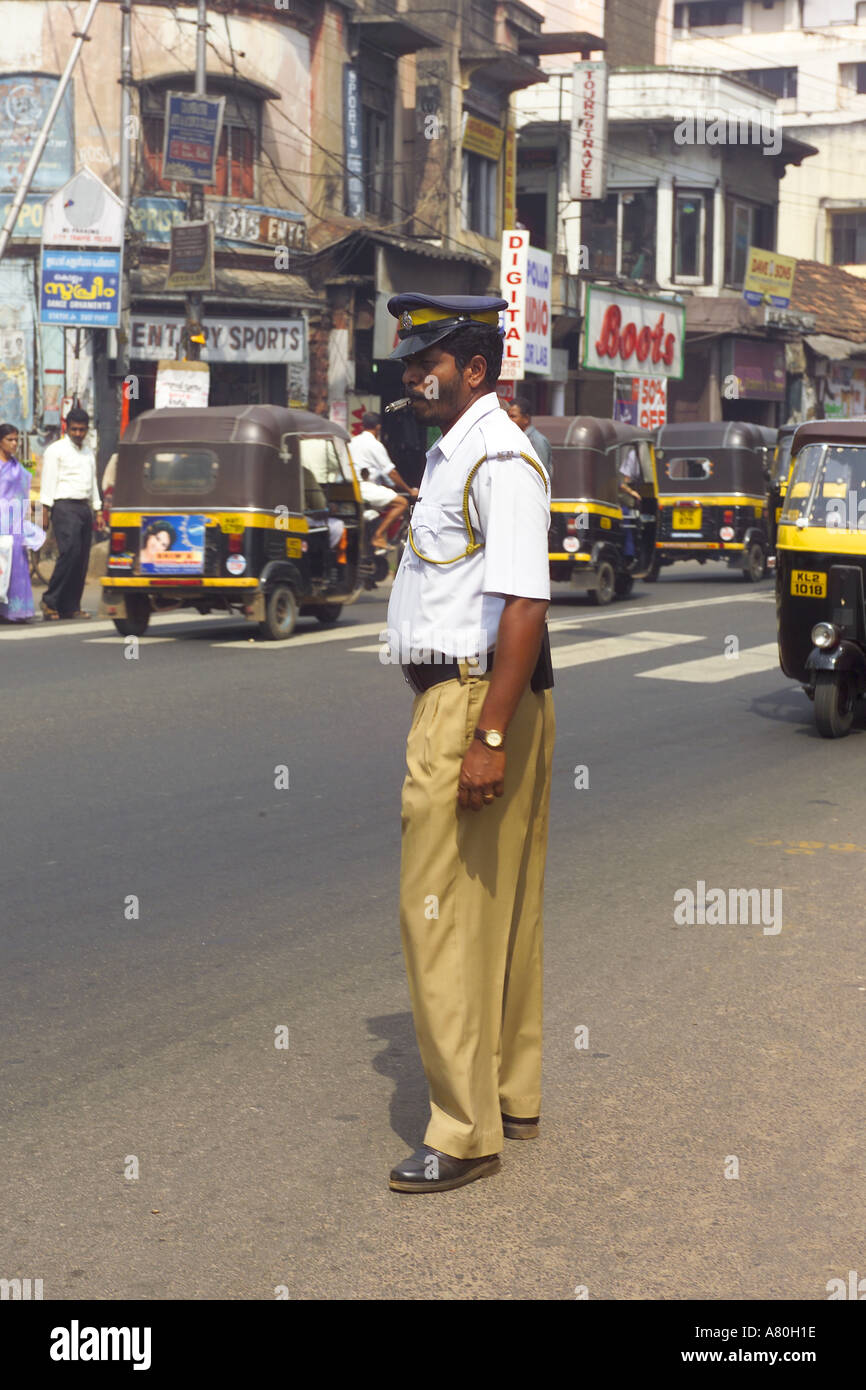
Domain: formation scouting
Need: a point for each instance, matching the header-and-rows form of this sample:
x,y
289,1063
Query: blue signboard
x,y
81,288
192,134
249,224
24,102
352,138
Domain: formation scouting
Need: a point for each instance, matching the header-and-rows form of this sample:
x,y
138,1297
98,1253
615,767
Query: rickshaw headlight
x,y
825,635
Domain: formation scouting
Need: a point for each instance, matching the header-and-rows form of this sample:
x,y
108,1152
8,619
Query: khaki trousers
x,y
471,893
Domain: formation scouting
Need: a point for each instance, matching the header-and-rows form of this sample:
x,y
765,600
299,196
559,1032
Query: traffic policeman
x,y
467,617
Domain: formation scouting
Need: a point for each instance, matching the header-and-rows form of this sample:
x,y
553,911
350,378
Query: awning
x,y
394,34
273,289
837,349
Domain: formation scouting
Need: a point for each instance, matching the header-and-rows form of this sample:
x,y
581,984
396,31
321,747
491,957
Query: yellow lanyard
x,y
473,543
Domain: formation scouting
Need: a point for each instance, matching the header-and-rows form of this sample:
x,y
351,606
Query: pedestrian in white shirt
x,y
70,495
378,479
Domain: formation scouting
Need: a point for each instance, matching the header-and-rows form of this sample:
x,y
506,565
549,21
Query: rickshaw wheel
x,y
604,593
834,704
756,564
281,614
329,612
137,616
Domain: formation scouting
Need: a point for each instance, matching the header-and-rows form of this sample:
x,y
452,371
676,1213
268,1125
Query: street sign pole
x,y
195,206
125,185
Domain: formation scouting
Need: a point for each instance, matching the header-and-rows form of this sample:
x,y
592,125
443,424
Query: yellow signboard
x,y
510,179
482,138
769,278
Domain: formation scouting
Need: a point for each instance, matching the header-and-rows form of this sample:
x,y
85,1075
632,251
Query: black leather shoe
x,y
513,1128
430,1170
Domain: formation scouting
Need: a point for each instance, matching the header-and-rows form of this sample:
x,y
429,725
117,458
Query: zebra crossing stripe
x,y
607,648
709,670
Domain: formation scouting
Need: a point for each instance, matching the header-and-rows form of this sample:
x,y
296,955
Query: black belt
x,y
423,675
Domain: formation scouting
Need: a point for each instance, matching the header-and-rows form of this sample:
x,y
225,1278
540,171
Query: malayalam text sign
x,y
80,288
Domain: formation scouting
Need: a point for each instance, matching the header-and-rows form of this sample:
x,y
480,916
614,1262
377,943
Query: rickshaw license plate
x,y
687,519
808,584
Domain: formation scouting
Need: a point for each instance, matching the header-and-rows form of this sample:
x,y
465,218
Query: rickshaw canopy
x,y
714,456
227,456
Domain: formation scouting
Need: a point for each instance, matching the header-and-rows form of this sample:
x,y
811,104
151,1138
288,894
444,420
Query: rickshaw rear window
x,y
689,469
319,455
828,487
181,471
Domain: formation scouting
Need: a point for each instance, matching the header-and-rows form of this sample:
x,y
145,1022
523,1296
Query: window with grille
x,y
782,82
746,224
480,184
708,14
848,238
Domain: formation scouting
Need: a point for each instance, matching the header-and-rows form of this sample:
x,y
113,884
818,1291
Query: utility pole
x,y
125,187
33,162
195,204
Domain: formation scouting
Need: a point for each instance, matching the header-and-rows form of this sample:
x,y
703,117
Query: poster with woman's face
x,y
172,545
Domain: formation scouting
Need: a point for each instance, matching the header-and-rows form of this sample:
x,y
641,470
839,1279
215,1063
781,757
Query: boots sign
x,y
526,284
632,334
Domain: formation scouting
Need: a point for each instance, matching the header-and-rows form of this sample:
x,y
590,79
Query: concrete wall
x,y
824,112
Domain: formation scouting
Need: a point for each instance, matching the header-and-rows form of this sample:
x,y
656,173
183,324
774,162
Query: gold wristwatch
x,y
491,738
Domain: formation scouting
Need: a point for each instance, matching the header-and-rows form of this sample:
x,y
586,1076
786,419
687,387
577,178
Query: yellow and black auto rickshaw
x,y
778,481
820,566
712,480
249,509
600,540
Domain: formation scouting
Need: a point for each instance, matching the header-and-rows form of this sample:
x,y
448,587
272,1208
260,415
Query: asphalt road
x,y
168,912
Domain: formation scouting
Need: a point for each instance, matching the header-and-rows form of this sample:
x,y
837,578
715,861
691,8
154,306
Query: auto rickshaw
x,y
249,509
712,480
595,542
778,481
820,566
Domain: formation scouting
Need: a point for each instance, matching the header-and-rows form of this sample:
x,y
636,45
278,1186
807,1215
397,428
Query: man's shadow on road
x,y
410,1103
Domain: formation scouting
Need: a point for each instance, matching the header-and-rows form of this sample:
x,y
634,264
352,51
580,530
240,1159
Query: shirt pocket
x,y
427,521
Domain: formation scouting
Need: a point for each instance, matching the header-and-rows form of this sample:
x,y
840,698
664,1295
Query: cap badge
x,y
405,319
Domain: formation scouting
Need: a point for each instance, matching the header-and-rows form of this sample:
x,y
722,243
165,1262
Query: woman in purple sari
x,y
15,523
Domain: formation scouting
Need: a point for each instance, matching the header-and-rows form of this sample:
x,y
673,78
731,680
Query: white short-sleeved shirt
x,y
369,452
455,608
69,472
